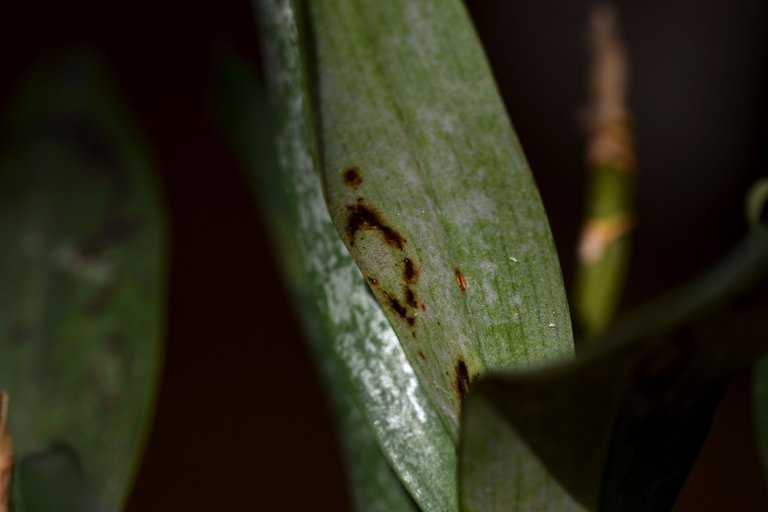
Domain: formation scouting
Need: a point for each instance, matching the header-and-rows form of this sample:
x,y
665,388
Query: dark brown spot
x,y
462,379
460,279
372,280
421,355
409,271
410,298
352,177
399,309
359,216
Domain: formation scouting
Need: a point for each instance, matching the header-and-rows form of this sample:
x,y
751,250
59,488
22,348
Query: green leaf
x,y
620,428
83,273
53,480
428,187
243,113
756,204
350,324
498,470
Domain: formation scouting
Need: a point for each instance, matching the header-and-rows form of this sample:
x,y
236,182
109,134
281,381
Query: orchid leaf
x,y
349,322
429,189
243,113
620,428
83,273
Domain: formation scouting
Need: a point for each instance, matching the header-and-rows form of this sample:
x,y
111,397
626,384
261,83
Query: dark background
x,y
242,423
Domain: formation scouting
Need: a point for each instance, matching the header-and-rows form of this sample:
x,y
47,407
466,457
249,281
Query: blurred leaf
x,y
53,480
83,273
498,470
620,428
756,210
429,189
350,325
243,113
756,204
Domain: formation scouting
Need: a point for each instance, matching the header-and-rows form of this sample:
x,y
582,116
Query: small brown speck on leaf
x,y
462,379
460,279
352,177
409,271
421,355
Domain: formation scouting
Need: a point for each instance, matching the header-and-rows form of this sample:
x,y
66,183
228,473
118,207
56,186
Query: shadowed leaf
x,y
620,428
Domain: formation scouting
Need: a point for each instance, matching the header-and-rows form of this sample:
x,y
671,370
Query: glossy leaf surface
x,y
370,359
243,114
428,187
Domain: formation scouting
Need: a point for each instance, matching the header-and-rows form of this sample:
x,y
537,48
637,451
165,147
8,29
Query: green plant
x,y
391,138
415,245
81,306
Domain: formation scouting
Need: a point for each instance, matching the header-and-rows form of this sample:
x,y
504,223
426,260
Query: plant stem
x,y
604,245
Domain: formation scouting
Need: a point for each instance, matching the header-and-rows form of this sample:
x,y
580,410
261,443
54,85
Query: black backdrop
x,y
241,423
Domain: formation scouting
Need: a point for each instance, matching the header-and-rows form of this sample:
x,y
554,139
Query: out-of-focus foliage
x,y
83,287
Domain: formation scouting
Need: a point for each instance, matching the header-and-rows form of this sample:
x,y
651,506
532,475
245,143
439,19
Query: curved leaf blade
x,y
243,113
382,382
428,187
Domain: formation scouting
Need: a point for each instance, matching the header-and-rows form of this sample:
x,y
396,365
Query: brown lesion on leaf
x,y
399,309
361,216
463,380
352,176
460,279
410,272
421,355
